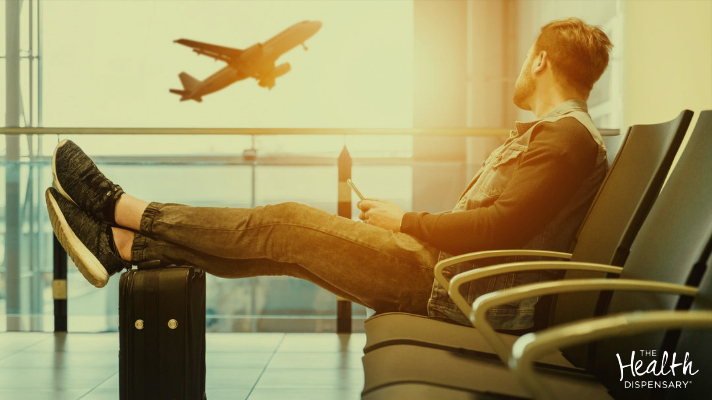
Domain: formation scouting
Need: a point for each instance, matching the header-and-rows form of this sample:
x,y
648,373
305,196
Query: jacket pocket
x,y
503,166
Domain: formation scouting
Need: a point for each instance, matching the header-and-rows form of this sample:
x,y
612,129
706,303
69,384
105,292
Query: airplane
x,y
257,61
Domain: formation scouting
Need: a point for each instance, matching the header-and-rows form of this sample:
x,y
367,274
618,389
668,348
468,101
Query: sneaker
x,y
89,242
78,179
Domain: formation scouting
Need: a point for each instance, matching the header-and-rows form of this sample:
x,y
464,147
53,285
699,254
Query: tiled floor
x,y
254,366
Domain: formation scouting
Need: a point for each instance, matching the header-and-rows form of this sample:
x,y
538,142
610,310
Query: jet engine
x,y
268,79
281,69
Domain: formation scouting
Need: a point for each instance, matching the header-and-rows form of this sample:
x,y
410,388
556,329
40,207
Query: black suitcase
x,y
162,334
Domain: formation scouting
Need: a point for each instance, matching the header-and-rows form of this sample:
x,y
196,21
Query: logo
x,y
665,373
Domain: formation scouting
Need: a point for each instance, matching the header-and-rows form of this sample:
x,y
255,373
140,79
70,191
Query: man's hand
x,y
381,213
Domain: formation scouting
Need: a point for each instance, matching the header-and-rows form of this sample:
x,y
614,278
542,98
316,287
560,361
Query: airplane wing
x,y
217,52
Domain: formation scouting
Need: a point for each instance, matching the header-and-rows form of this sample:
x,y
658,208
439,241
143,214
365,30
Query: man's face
x,y
525,85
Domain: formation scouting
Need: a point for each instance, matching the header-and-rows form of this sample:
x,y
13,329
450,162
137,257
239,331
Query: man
x,y
531,192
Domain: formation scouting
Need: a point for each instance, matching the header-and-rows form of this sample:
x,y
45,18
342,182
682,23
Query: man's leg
x,y
385,271
227,268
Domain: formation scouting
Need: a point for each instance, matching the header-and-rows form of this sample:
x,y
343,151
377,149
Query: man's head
x,y
569,54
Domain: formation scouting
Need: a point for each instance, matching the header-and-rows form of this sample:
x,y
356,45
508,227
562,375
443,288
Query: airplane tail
x,y
189,83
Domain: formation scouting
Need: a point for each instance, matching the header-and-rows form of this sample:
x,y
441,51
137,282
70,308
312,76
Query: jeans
x,y
365,264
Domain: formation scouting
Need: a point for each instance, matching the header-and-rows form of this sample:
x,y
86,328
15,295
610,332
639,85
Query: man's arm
x,y
560,156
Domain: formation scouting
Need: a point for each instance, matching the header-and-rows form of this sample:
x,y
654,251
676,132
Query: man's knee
x,y
285,209
292,211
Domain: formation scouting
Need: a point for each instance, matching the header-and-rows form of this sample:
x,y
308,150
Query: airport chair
x,y
630,187
696,342
615,327
675,225
623,333
668,253
416,372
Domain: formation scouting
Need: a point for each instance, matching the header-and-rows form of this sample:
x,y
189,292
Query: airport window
x,y
119,76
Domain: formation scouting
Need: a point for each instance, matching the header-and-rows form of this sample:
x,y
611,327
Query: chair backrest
x,y
629,190
698,343
621,204
672,245
613,144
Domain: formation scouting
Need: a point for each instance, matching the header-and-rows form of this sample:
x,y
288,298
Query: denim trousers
x,y
368,265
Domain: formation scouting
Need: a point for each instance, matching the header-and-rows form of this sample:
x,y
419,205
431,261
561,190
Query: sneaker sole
x,y
56,183
86,262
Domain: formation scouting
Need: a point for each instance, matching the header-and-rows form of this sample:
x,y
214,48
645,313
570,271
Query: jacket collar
x,y
563,108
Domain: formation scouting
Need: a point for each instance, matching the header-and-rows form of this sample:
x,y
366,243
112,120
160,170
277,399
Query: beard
x,y
524,88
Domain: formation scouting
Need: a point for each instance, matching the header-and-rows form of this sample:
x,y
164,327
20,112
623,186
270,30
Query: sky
x,y
111,63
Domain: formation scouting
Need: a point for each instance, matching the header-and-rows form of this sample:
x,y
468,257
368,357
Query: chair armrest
x,y
479,273
440,267
485,302
532,346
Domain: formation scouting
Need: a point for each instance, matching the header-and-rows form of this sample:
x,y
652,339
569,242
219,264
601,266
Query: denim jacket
x,y
558,235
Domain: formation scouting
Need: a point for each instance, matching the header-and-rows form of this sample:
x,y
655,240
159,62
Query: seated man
x,y
532,192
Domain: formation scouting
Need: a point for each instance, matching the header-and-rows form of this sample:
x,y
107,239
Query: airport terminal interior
x,y
247,103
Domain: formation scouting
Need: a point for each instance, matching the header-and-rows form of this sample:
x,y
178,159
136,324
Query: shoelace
x,y
97,180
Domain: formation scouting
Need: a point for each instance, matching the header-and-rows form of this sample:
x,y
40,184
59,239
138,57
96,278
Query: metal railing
x,y
263,131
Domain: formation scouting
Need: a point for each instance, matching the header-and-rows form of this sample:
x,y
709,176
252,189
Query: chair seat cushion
x,y
421,391
403,363
402,328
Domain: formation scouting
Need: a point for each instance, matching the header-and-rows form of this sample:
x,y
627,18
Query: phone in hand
x,y
350,183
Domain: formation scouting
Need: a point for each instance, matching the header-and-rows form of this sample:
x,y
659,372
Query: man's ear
x,y
540,63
